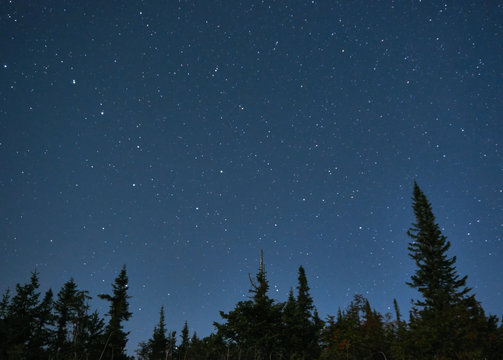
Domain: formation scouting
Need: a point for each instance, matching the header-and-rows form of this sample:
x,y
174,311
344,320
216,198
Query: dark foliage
x,y
446,322
116,338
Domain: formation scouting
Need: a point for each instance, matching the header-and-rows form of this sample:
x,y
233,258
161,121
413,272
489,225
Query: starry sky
x,y
181,137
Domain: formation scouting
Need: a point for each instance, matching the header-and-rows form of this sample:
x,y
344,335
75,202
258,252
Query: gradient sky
x,y
181,137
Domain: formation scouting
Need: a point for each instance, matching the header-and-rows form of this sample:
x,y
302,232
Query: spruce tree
x,y
435,317
116,337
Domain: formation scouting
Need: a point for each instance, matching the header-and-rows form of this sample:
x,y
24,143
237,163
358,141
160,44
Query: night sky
x,y
181,137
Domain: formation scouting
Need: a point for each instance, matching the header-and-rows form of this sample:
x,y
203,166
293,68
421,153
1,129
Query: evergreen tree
x,y
436,317
185,344
92,337
289,325
357,333
307,325
398,335
161,346
374,333
116,338
342,336
39,343
70,313
159,342
436,277
78,333
254,325
172,350
26,321
143,352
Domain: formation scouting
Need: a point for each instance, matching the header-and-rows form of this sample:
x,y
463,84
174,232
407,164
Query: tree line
x,y
445,321
63,327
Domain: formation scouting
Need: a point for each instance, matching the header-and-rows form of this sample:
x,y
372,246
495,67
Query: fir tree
x,y
116,338
436,277
435,318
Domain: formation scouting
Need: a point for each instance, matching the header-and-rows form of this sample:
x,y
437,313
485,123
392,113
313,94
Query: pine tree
x,y
116,338
435,317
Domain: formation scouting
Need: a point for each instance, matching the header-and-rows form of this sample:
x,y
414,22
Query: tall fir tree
x,y
436,277
116,337
439,317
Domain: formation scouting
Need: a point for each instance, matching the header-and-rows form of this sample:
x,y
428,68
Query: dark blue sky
x,y
180,138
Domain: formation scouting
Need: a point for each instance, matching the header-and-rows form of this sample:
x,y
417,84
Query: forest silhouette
x,y
445,322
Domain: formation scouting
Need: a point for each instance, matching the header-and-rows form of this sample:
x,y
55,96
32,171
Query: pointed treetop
x,y
436,277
